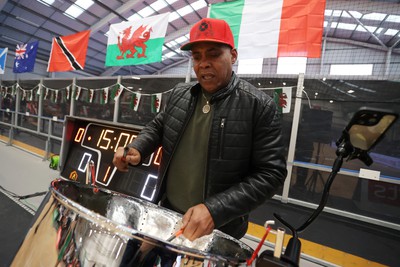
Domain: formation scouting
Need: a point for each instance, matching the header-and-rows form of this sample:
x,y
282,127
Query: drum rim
x,y
130,233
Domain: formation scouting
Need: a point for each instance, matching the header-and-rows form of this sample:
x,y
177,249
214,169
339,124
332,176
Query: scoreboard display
x,y
88,147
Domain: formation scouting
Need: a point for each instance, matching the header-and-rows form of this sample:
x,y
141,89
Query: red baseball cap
x,y
210,30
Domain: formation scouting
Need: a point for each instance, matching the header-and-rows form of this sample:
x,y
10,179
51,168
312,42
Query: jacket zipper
x,y
221,137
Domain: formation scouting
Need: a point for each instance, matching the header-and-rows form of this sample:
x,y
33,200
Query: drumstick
x,y
255,253
87,172
178,233
126,149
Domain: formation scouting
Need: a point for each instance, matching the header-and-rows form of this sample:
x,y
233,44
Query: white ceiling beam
x,y
104,21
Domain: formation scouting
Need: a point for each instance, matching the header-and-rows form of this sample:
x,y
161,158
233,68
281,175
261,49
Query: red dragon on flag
x,y
128,42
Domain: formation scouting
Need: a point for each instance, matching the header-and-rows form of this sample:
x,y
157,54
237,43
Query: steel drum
x,y
79,225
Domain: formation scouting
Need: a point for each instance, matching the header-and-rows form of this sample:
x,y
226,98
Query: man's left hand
x,y
197,222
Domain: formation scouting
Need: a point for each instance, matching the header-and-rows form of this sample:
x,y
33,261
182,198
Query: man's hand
x,y
124,156
197,222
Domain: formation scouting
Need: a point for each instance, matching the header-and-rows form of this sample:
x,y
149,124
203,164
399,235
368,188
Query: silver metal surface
x,y
79,225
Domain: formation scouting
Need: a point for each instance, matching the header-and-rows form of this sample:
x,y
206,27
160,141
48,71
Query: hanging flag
x,y
55,95
3,57
116,91
104,96
283,99
25,56
67,92
46,94
274,28
136,42
91,95
156,103
135,101
77,92
68,52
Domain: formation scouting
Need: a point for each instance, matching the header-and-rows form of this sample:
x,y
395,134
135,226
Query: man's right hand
x,y
123,158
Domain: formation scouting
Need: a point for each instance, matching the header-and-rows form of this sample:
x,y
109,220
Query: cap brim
x,y
188,46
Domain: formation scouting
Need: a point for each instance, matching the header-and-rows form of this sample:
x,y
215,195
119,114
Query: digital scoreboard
x,y
94,141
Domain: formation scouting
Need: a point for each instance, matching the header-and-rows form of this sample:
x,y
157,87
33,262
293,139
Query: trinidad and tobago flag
x,y
68,52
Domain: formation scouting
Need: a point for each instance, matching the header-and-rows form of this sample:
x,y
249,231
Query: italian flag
x,y
136,42
274,28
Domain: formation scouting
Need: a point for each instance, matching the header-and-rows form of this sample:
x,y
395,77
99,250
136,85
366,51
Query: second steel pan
x,y
78,225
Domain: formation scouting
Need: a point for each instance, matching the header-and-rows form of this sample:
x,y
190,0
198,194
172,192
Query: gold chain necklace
x,y
206,107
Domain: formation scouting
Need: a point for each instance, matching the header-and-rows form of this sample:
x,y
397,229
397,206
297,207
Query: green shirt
x,y
187,170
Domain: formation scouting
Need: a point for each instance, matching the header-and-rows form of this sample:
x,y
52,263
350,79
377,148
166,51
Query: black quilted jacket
x,y
246,163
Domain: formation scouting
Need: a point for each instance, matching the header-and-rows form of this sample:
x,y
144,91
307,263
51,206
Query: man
x,y
222,153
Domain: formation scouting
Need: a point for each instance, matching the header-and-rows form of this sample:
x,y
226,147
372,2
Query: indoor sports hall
x,y
80,78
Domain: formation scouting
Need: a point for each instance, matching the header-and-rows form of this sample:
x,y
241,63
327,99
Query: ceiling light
x,y
173,16
145,12
331,101
46,2
75,10
199,4
158,5
11,39
27,21
350,91
134,17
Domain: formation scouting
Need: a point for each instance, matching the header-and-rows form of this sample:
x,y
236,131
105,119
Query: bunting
x,y
91,95
104,98
135,101
104,94
156,102
77,92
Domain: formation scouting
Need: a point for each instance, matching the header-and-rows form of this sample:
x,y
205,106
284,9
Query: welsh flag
x,y
283,99
116,91
135,101
156,103
91,95
136,42
274,28
104,96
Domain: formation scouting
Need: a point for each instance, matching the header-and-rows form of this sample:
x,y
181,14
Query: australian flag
x,y
25,55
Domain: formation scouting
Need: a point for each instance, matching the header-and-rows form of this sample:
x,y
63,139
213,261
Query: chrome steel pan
x,y
78,225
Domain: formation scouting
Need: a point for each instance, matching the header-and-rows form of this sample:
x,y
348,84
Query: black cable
x,y
23,197
324,199
32,195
